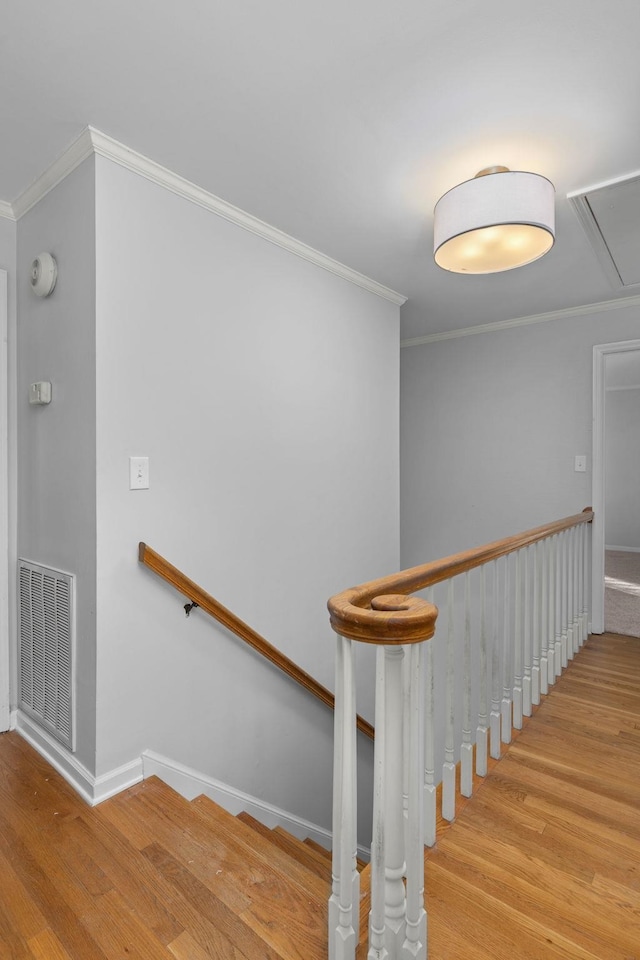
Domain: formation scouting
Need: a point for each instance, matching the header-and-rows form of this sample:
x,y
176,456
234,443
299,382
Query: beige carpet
x,y
622,592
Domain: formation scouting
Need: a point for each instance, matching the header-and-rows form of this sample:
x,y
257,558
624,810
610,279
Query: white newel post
x,y
345,891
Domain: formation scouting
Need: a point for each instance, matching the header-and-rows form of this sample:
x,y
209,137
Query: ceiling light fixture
x,y
499,220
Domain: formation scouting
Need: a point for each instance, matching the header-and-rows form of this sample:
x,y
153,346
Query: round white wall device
x,y
44,273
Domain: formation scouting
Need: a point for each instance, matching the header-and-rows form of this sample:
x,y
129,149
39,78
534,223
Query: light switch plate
x,y
580,463
138,473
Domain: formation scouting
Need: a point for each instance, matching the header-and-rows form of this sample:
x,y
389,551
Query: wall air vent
x,y
610,215
46,648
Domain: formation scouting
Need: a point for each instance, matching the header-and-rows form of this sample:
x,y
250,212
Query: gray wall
x,y
8,264
622,468
56,443
265,392
490,425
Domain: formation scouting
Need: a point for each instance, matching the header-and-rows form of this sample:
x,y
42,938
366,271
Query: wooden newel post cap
x,y
386,619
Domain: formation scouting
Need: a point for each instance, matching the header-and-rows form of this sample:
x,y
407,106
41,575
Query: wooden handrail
x,y
381,611
210,605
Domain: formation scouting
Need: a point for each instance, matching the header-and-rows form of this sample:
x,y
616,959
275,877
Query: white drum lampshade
x,y
499,220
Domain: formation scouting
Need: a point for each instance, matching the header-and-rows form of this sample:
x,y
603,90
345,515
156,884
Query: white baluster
x,y
414,946
345,896
557,622
482,730
507,674
549,618
526,679
466,748
535,637
570,582
577,553
580,605
496,677
517,648
544,636
377,947
449,768
430,811
586,577
563,598
406,720
395,904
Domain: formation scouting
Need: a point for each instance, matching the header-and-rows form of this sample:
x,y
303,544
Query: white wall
x,y
490,426
56,443
7,659
264,390
622,468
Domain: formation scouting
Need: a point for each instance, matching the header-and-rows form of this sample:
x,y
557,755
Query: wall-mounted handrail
x,y
210,605
381,611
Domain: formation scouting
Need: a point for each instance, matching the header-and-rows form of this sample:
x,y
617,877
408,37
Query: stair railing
x,y
199,598
514,613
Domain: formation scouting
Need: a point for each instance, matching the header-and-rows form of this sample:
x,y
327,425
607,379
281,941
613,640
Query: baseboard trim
x,y
191,783
608,546
93,790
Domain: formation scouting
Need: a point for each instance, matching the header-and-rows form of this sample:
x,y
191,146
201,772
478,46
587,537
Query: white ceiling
x,y
341,122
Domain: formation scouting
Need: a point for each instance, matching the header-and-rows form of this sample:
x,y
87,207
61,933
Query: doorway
x,y
615,368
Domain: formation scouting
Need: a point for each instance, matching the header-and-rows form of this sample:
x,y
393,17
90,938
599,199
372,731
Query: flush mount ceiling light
x,y
499,220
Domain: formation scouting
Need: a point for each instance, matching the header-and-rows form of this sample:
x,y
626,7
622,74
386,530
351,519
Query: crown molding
x,y
6,211
107,147
94,141
73,156
563,314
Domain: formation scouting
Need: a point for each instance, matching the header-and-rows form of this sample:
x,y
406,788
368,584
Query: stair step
x,y
293,909
245,838
304,853
291,845
318,848
247,889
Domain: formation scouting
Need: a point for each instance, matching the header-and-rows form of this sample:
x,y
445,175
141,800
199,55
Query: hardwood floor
x,y
544,862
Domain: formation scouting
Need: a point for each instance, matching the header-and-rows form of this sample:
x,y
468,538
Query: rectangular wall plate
x,y
138,473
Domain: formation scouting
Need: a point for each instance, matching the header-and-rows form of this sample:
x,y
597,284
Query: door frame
x,y
600,353
5,680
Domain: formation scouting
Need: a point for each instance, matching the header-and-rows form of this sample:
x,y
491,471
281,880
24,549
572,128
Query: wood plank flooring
x,y
543,862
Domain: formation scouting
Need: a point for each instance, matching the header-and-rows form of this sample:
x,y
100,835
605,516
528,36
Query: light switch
x,y
581,464
138,473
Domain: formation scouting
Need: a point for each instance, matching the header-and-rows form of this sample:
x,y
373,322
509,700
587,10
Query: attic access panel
x,y
610,215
